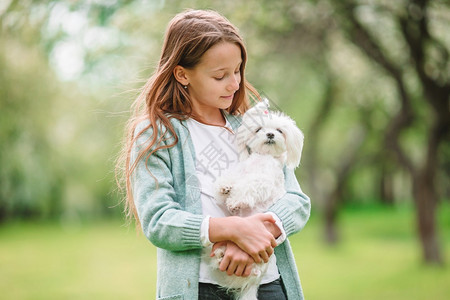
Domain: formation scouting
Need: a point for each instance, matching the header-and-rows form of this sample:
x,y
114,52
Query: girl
x,y
179,140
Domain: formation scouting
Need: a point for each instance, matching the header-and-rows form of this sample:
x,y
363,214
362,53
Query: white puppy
x,y
267,141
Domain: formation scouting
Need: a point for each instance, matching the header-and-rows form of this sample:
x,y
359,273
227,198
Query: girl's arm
x,y
164,221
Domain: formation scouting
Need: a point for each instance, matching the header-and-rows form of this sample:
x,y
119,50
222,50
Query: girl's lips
x,y
228,97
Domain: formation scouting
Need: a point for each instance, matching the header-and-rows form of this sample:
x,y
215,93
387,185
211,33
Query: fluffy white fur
x,y
267,141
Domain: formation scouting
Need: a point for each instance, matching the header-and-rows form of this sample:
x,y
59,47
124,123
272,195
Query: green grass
x,y
379,258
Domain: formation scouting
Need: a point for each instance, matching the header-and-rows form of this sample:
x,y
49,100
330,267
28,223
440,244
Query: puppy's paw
x,y
225,190
219,253
234,209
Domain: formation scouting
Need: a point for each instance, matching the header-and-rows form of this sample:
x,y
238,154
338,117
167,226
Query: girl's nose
x,y
235,81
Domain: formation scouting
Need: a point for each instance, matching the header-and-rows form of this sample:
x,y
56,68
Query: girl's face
x,y
213,82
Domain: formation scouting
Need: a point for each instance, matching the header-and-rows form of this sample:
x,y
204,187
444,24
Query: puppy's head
x,y
270,133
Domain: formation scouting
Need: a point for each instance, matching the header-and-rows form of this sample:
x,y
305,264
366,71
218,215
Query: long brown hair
x,y
188,36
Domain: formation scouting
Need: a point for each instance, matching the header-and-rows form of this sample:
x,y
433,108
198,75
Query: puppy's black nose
x,y
270,135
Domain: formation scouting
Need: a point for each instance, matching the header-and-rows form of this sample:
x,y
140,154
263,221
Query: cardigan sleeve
x,y
160,210
294,207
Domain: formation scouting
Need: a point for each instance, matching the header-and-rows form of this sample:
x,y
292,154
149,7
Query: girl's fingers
x,y
273,243
232,267
248,270
240,270
256,257
224,263
257,237
264,256
236,261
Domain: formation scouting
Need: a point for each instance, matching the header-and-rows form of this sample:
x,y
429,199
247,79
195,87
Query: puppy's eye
x,y
257,130
279,130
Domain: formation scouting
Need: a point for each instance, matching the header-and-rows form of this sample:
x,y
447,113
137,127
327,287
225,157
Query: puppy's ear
x,y
258,113
294,143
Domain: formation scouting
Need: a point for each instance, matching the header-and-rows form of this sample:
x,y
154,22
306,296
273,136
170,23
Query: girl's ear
x,y
180,75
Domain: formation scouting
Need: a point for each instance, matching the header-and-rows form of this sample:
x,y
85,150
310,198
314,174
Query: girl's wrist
x,y
223,229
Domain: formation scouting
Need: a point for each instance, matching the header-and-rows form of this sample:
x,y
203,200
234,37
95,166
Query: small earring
x,y
185,87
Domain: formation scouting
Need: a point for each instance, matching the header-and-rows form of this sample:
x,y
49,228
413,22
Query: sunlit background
x,y
368,82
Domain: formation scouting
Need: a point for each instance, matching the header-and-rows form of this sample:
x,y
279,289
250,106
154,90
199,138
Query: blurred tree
x,y
30,181
53,134
426,57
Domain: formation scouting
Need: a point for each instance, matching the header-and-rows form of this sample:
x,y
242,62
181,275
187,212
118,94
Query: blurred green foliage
x,y
30,173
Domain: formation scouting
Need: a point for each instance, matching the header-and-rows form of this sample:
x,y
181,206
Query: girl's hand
x,y
250,234
253,237
235,260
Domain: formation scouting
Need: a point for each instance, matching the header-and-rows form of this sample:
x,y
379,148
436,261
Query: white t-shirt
x,y
216,152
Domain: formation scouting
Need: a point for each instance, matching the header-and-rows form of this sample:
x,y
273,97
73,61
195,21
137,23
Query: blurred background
x,y
367,81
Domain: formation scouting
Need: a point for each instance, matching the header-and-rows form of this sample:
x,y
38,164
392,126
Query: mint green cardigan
x,y
171,214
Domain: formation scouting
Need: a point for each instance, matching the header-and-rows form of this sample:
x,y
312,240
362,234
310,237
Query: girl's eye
x,y
279,130
257,130
219,78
